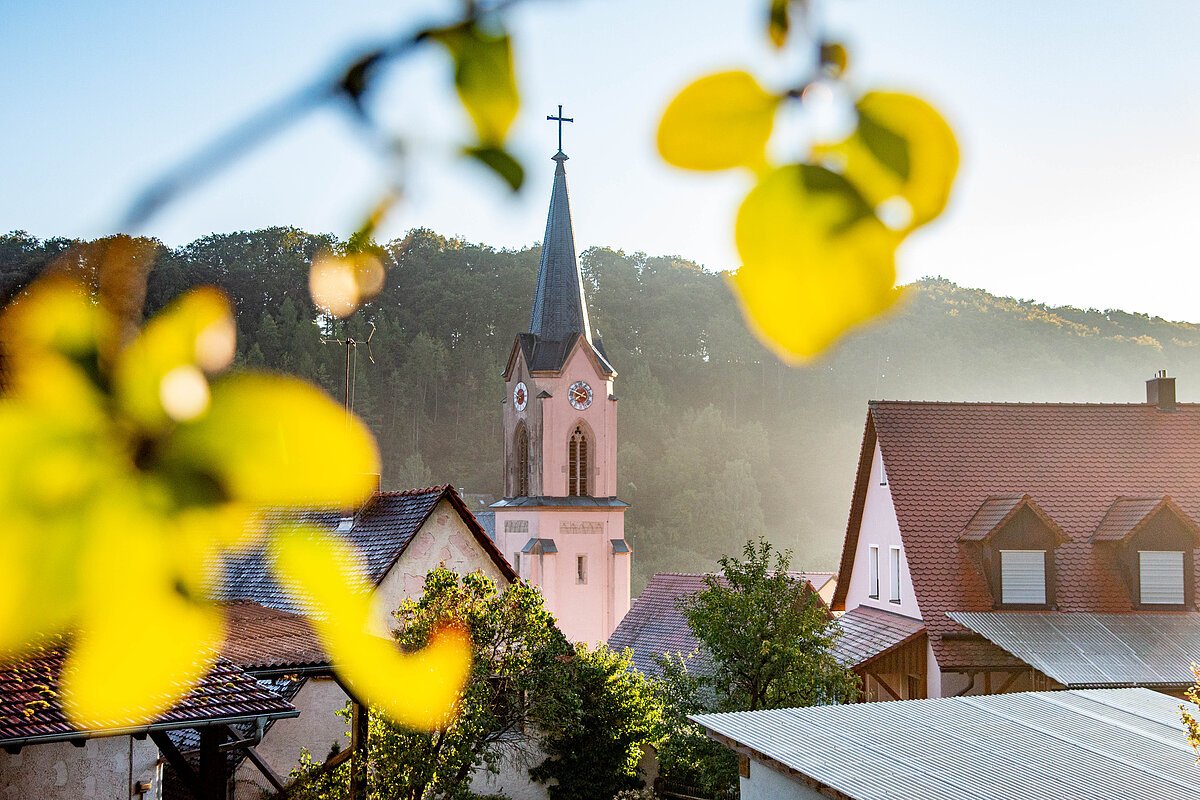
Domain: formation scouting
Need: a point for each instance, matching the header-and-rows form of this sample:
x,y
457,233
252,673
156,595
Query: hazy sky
x,y
1079,124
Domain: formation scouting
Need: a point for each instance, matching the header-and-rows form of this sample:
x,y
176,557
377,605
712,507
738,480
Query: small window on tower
x,y
517,562
581,569
521,456
577,464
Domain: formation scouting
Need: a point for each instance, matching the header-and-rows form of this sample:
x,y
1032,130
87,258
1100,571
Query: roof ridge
x,y
437,489
1030,403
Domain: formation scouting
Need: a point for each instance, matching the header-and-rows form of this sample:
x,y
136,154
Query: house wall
x,y
103,769
879,527
513,781
317,730
444,538
766,783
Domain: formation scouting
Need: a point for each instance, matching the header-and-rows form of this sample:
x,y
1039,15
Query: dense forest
x,y
718,440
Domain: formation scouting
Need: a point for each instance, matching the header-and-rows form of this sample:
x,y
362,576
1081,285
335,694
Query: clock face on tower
x,y
520,396
580,395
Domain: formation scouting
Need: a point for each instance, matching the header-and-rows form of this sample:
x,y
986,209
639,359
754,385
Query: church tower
x,y
560,522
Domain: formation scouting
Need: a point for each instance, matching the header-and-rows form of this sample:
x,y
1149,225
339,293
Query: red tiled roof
x,y
1127,514
258,638
997,511
944,460
30,708
867,633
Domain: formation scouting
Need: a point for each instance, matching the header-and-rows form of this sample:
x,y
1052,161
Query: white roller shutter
x,y
1023,577
1161,577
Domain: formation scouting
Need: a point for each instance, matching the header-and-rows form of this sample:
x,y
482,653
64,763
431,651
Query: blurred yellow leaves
x,y
817,238
339,284
720,121
903,148
815,259
324,569
486,83
130,466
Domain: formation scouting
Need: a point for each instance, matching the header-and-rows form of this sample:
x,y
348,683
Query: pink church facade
x,y
560,523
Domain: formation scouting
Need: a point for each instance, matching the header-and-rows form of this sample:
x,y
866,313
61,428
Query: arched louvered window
x,y
521,457
577,464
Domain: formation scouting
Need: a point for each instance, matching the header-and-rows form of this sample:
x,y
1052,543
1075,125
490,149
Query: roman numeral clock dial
x,y
580,395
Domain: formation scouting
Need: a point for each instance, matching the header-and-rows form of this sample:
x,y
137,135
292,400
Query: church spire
x,y
559,306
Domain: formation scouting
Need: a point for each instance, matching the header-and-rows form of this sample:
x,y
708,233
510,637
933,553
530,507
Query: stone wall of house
x,y
103,769
317,729
443,539
513,781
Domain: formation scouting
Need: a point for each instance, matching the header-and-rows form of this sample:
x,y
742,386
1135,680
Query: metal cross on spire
x,y
560,119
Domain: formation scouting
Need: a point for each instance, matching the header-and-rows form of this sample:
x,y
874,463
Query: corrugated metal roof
x,y
868,632
1082,650
1083,745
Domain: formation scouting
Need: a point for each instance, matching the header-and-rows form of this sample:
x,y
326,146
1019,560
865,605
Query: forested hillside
x,y
718,440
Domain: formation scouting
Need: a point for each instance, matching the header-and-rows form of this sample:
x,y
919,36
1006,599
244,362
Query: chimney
x,y
1160,391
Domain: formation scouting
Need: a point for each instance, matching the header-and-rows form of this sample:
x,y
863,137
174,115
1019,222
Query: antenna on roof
x,y
351,344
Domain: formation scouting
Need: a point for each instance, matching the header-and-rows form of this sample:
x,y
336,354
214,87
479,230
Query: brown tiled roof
x,y
997,511
944,460
868,633
1127,514
655,625
381,532
30,710
262,639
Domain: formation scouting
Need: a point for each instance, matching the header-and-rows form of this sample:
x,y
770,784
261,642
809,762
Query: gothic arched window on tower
x,y
577,464
521,454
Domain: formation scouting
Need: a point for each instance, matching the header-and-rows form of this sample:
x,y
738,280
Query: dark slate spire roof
x,y
559,307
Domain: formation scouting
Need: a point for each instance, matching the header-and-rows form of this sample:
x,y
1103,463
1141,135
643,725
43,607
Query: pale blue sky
x,y
1078,121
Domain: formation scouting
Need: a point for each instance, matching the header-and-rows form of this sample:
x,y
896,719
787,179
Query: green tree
x,y
767,642
595,726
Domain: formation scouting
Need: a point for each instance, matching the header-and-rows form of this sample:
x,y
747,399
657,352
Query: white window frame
x,y
581,572
1016,599
894,573
1171,599
873,572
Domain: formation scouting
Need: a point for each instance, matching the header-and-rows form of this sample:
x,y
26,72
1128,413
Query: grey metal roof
x,y
557,502
559,307
540,546
1083,745
1093,650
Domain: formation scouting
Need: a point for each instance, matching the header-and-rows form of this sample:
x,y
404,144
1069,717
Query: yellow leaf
x,y
416,689
159,377
273,440
815,260
141,645
484,78
903,148
56,315
718,122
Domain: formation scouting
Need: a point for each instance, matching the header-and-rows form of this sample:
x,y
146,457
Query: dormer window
x,y
1013,541
1023,577
1151,542
1160,577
